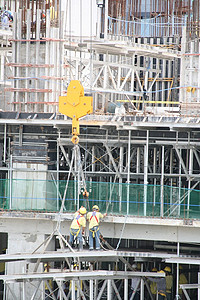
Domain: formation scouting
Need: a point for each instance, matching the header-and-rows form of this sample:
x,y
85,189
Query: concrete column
x,y
31,190
24,242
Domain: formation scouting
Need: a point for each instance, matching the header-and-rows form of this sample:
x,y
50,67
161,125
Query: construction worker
x,y
135,284
76,268
182,280
75,228
169,282
161,285
48,286
153,286
94,219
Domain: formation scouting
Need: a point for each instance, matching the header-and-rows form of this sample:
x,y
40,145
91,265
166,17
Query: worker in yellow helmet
x,y
161,285
153,286
182,280
76,268
94,218
169,282
77,228
48,286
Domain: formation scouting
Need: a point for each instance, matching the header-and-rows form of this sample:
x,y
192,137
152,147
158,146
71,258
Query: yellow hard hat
x,y
46,265
82,210
154,270
95,207
167,269
161,271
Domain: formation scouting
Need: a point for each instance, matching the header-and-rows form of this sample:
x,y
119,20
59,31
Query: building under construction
x,y
127,140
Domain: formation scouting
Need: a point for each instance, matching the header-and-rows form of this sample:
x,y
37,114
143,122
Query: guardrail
x,y
113,198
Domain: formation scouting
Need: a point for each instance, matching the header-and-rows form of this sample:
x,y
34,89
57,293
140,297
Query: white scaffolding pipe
x,y
128,176
146,158
162,183
91,289
177,273
109,290
73,294
106,20
189,181
125,289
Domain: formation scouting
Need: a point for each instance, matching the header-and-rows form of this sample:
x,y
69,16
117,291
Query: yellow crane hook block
x,y
75,105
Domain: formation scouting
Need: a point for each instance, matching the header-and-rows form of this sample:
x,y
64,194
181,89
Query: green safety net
x,y
113,198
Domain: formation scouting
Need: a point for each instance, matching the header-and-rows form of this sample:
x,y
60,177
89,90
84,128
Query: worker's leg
x,y
73,233
97,240
91,240
80,241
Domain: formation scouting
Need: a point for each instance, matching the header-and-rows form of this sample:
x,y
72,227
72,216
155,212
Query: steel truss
x,y
141,156
89,284
113,70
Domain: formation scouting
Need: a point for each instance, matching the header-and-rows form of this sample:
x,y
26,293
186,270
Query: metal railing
x,y
149,200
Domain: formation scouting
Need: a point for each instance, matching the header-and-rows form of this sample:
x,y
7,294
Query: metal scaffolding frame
x,y
154,141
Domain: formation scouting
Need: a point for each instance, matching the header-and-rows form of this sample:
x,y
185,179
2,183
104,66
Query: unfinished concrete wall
x,y
190,76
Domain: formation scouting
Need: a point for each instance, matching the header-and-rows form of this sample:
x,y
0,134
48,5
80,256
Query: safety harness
x,y
94,231
77,219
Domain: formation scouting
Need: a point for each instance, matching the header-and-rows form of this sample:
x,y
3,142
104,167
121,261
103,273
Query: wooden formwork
x,y
36,64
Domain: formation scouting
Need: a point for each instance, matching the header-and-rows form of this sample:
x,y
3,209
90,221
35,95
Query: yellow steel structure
x,y
75,105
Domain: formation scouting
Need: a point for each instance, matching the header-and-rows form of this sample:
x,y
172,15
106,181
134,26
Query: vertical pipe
x,y
4,143
37,51
73,294
91,289
154,171
125,287
95,289
177,272
128,176
198,286
93,159
179,186
106,20
127,17
10,183
138,161
162,183
146,158
109,290
105,80
24,289
171,180
98,21
28,54
76,177
120,179
57,173
189,182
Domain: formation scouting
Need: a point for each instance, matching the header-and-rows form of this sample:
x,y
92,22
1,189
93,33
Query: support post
x,y
177,273
146,158
128,177
91,289
162,183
